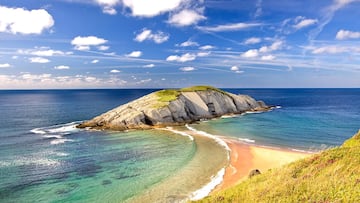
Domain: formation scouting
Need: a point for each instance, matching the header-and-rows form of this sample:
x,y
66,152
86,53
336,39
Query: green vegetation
x,y
330,176
166,96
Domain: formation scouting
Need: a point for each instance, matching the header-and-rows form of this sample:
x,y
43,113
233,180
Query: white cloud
x,y
278,44
62,67
187,69
84,43
258,11
230,27
108,6
158,37
149,66
115,71
335,49
14,57
203,54
185,18
146,8
103,48
252,53
206,47
305,23
183,58
5,65
189,43
346,34
48,52
134,54
234,68
38,60
28,76
268,57
252,40
20,20
94,61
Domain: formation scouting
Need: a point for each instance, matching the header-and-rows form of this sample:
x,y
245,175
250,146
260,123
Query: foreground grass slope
x,y
330,176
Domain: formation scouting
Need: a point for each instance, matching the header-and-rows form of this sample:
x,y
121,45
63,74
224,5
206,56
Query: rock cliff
x,y
174,107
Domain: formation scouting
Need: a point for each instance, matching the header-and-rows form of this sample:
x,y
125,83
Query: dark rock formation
x,y
254,173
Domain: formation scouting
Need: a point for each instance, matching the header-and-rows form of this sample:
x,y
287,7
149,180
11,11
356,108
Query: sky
x,y
62,44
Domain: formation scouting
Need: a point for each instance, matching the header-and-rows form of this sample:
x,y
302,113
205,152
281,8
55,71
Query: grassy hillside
x,y
330,176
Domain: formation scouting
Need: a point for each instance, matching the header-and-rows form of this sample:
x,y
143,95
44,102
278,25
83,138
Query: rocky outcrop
x,y
187,107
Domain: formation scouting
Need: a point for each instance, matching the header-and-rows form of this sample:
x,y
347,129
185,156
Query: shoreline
x,y
245,157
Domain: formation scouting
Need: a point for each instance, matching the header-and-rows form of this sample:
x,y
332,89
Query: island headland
x,y
174,107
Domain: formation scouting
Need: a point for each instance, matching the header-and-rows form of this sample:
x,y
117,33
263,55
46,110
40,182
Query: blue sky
x,y
177,43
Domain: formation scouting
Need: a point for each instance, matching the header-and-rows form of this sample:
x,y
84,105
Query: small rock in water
x,y
254,173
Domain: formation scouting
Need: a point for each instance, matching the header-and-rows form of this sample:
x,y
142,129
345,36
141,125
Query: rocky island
x,y
174,107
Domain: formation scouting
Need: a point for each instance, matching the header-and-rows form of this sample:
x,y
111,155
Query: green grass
x,y
166,96
330,176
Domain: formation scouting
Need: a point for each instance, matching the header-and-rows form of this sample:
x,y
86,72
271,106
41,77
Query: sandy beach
x,y
245,157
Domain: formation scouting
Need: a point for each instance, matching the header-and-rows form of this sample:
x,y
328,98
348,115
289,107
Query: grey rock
x,y
148,111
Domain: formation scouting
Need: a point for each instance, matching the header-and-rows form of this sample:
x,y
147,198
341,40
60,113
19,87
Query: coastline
x,y
245,157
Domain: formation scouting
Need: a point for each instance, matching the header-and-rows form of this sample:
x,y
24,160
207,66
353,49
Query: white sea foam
x,y
278,107
180,133
229,116
22,161
37,131
52,136
60,141
302,151
214,137
247,140
66,128
205,191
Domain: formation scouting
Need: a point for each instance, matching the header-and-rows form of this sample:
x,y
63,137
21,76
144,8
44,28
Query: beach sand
x,y
245,157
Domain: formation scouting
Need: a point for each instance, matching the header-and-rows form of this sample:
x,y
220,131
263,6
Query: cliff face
x,y
186,107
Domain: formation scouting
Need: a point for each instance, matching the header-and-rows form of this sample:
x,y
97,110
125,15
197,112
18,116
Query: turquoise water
x,y
43,158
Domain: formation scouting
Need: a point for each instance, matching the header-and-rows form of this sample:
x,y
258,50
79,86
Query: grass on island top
x,y
172,94
330,176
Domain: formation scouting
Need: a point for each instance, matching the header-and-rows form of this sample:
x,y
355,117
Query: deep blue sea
x,y
44,158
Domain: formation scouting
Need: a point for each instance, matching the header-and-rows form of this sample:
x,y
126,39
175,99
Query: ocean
x,y
44,158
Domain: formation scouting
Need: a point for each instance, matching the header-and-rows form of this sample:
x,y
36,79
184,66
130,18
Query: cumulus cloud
x,y
234,68
5,65
149,66
115,71
43,51
304,23
278,44
157,37
268,57
252,40
108,6
62,67
146,8
346,34
206,47
183,58
85,43
185,18
38,60
187,69
94,61
20,20
134,54
188,43
252,53
103,48
230,27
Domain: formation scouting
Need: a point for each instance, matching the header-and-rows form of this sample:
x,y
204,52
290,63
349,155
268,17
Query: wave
x,y
56,132
214,137
205,191
22,161
60,141
302,151
180,133
246,140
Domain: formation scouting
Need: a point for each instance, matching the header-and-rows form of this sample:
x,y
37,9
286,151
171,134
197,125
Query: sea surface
x,y
44,158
